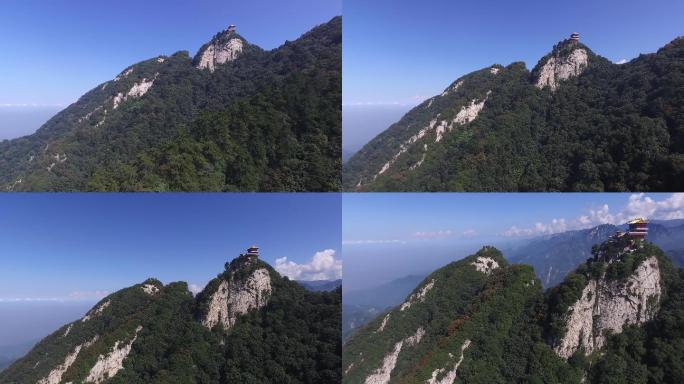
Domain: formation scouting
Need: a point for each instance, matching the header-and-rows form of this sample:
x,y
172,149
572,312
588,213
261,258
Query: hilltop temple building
x,y
253,251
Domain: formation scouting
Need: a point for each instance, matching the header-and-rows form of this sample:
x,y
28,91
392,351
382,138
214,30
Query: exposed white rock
x,y
160,60
349,368
418,296
418,163
31,158
416,338
124,74
485,264
440,130
118,99
66,333
235,298
430,103
559,68
384,323
453,88
464,116
89,114
150,289
450,376
101,122
217,53
49,167
494,70
609,306
104,86
138,90
470,112
11,187
55,376
97,311
406,145
108,366
382,374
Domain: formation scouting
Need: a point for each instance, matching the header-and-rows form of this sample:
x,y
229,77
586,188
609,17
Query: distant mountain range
x,y
154,333
321,285
554,256
232,118
361,306
575,122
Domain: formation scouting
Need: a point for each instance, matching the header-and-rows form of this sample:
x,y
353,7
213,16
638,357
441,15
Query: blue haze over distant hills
x,y
17,121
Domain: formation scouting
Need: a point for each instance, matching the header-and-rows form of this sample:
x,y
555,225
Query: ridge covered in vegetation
x,y
265,121
497,325
609,127
294,338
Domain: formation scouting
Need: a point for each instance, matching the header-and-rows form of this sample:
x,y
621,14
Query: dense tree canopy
x,y
266,121
613,128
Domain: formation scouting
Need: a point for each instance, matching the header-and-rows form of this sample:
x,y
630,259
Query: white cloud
x,y
363,242
443,233
322,266
638,205
195,289
621,61
29,105
73,296
433,234
80,295
470,233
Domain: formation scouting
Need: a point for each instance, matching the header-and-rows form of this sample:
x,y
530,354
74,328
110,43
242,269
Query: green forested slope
x,y
267,121
500,327
294,338
610,128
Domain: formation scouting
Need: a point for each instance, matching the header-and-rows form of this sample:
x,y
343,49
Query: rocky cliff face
x,y
236,297
224,48
562,66
607,306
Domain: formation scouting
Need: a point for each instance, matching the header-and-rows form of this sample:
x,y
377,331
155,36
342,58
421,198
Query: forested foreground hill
x,y
232,118
576,122
249,325
616,319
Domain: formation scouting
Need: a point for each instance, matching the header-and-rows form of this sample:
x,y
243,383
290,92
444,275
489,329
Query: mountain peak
x,y
569,58
224,47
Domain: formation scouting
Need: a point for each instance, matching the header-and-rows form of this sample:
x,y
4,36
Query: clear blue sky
x,y
403,51
387,236
72,245
54,51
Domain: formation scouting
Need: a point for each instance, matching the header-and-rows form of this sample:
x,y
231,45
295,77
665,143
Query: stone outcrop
x,y
108,366
608,306
558,68
382,374
448,377
418,296
137,90
220,52
485,264
235,297
97,311
150,289
55,376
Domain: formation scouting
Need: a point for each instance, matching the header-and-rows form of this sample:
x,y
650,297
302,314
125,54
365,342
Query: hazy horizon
x,y
391,235
361,123
22,120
